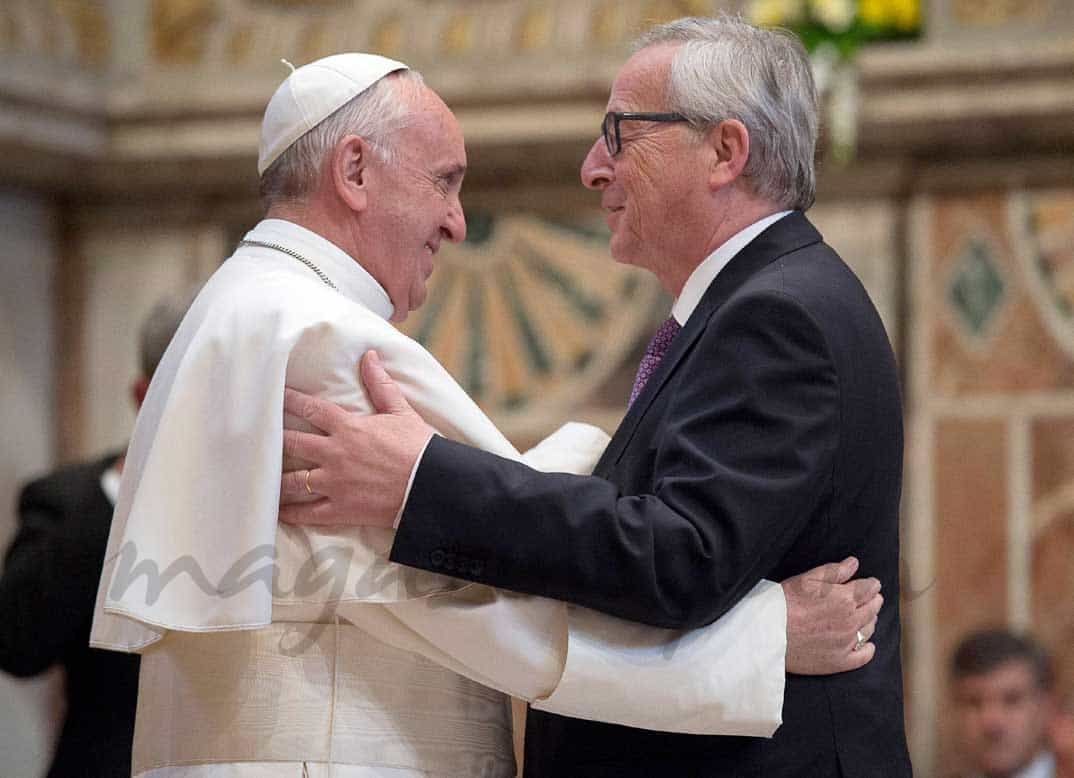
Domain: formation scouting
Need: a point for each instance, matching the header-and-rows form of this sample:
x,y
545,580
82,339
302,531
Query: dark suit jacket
x,y
47,592
769,440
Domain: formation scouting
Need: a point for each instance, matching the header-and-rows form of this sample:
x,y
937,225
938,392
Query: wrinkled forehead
x,y
641,84
432,128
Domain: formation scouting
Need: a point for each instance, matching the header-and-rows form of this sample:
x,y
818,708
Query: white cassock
x,y
275,650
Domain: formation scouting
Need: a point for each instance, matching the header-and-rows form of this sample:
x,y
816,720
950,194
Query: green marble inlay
x,y
977,287
479,228
475,363
587,307
535,354
515,401
433,308
591,232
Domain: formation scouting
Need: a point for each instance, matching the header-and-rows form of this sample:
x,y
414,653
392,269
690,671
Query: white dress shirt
x,y
705,273
389,653
1042,766
110,480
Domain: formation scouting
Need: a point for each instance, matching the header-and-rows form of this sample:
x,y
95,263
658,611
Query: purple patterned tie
x,y
654,352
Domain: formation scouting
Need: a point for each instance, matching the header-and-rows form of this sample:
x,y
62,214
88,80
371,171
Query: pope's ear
x,y
350,172
730,143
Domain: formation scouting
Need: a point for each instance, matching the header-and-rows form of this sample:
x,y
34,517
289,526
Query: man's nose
x,y
454,229
994,720
597,171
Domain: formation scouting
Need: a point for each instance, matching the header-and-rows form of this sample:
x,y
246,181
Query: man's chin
x,y
622,254
415,301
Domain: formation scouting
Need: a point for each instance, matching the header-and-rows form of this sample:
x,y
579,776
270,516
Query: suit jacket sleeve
x,y
744,457
50,575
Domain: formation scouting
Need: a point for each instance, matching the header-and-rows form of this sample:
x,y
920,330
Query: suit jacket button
x,y
437,558
449,561
476,568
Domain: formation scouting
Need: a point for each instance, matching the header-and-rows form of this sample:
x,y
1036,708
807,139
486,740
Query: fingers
x,y
870,610
859,658
867,630
322,414
864,590
305,445
834,572
384,393
315,513
293,485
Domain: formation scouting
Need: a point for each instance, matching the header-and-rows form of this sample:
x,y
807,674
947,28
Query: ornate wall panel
x,y
68,32
991,502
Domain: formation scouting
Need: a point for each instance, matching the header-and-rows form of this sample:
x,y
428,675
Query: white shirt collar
x,y
1042,766
110,480
352,280
704,274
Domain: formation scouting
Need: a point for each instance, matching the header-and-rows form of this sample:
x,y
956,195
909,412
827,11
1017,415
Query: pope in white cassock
x,y
288,651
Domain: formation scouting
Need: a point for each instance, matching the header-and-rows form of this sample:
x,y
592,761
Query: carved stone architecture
x,y
128,134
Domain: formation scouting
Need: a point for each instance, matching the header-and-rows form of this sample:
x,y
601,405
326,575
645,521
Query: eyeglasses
x,y
609,128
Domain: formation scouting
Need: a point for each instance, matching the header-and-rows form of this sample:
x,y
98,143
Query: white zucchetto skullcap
x,y
312,93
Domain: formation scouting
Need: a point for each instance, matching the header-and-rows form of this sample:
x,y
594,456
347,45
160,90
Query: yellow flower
x,y
907,14
774,13
875,12
836,15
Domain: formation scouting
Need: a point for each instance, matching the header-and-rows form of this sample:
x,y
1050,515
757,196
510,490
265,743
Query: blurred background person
x,y
49,584
1061,736
1002,689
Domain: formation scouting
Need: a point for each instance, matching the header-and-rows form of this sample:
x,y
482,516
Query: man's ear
x,y
349,172
730,142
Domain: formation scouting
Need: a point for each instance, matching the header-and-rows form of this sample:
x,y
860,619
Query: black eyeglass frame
x,y
614,117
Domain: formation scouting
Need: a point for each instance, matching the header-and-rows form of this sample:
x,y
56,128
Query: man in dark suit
x,y
49,585
763,437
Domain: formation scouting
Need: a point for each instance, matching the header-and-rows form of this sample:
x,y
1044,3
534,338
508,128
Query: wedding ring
x,y
859,636
310,492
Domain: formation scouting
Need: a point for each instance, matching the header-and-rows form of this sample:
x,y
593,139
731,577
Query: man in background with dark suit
x,y
763,435
49,584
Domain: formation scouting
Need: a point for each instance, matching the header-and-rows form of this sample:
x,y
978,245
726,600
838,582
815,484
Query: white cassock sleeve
x,y
195,544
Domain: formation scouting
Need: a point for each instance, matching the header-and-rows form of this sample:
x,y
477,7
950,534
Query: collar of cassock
x,y
353,281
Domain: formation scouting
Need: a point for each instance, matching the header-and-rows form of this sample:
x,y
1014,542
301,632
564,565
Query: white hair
x,y
376,115
728,69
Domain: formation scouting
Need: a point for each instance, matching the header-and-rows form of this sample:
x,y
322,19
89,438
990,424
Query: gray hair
x,y
159,326
728,69
375,115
